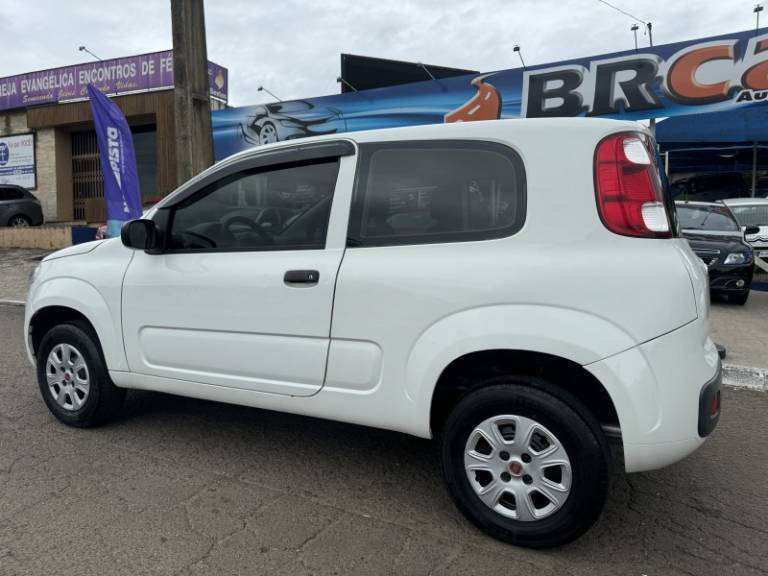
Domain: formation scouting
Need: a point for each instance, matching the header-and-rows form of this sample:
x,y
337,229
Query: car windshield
x,y
706,218
751,214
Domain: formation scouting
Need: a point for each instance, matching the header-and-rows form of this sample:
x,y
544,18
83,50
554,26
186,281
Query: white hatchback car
x,y
516,289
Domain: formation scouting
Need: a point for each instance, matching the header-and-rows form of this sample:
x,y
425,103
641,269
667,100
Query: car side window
x,y
11,194
433,192
279,208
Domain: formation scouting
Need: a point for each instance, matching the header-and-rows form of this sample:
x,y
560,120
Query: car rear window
x,y
754,215
437,191
706,218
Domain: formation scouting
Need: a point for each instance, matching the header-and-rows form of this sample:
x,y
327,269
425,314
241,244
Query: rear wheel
x,y
73,377
19,221
525,462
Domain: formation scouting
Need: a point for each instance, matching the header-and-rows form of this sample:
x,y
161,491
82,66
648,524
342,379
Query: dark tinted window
x,y
283,208
706,218
11,194
429,192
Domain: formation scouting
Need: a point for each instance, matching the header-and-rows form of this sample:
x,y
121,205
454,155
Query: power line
x,y
623,12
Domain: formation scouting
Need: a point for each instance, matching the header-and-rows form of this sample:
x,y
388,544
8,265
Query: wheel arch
x,y
551,342
470,371
67,299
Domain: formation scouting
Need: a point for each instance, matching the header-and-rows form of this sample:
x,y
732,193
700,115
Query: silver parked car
x,y
18,207
752,213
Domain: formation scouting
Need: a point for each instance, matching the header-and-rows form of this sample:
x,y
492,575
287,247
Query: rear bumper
x,y
662,392
709,405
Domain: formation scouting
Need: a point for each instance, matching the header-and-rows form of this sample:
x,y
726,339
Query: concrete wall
x,y
15,122
43,237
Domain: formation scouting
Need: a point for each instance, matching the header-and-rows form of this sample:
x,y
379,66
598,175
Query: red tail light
x,y
628,187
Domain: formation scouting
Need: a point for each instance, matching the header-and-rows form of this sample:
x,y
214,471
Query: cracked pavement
x,y
187,487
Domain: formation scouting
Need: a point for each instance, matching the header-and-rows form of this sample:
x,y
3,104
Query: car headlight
x,y
738,258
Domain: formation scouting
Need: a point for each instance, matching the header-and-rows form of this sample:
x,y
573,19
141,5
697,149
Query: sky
x,y
292,47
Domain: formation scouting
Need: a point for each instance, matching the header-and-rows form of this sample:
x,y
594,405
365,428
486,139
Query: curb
x,y
734,376
745,377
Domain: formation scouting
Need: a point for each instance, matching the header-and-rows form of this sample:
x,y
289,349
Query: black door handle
x,y
301,277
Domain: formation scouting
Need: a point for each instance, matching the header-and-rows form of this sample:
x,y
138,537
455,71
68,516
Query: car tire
x,y
268,133
739,299
19,221
73,377
580,453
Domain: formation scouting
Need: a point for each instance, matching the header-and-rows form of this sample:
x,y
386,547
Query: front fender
x,y
83,297
571,334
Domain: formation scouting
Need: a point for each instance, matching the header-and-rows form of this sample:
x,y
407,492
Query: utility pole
x,y
652,124
191,98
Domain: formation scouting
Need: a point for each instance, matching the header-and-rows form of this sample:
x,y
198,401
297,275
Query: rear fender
x,y
570,334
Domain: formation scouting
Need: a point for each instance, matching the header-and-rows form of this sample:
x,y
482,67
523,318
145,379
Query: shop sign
x,y
17,160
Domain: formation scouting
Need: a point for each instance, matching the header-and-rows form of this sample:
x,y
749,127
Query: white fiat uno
x,y
515,289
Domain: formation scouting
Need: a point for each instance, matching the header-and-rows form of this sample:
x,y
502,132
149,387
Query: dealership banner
x,y
118,162
17,160
706,75
120,75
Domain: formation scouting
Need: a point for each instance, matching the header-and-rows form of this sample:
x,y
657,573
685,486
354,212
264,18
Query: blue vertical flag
x,y
118,162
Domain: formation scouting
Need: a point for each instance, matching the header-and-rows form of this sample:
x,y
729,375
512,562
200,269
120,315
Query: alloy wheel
x,y
517,467
68,377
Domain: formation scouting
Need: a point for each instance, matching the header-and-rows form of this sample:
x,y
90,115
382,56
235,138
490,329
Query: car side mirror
x,y
751,230
141,234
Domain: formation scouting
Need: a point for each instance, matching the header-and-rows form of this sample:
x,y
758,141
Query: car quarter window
x,y
277,208
432,192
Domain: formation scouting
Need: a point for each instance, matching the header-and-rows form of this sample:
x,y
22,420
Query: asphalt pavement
x,y
181,486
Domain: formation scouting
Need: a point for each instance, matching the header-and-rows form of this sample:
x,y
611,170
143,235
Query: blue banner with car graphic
x,y
706,75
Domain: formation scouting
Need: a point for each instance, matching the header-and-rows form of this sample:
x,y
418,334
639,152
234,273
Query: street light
x,y
516,48
757,9
84,49
262,89
634,29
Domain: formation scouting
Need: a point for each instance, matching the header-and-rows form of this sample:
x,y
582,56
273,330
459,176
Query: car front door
x,y
232,303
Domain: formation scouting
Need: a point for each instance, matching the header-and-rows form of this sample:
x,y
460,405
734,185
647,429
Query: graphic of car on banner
x,y
694,77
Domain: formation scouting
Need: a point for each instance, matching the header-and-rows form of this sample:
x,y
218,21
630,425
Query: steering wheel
x,y
252,224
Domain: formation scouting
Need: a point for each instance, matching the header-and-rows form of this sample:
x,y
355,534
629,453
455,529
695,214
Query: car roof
x,y
487,129
697,204
745,201
491,130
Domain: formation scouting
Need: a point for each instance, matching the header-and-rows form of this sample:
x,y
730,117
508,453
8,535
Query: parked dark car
x,y
716,238
18,207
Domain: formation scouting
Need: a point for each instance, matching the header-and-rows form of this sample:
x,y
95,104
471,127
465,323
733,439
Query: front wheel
x,y
73,377
526,463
